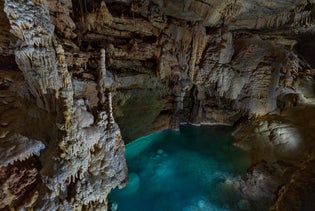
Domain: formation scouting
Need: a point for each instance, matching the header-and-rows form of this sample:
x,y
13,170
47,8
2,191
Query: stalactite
x,y
105,91
70,149
101,78
66,93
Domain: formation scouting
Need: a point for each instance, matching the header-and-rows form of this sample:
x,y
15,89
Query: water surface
x,y
187,170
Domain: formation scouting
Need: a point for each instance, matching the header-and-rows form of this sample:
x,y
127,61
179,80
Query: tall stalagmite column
x,y
81,163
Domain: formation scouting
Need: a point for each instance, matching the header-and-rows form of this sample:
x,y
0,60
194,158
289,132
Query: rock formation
x,y
84,153
69,67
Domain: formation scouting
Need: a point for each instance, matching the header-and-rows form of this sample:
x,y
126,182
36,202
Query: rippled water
x,y
187,170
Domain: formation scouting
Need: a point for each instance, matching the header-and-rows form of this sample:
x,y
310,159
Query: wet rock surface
x,y
168,62
80,154
285,144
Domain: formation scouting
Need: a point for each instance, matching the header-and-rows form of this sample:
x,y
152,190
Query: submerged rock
x,y
133,184
169,62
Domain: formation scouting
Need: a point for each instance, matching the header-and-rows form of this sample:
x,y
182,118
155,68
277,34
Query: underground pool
x,y
183,170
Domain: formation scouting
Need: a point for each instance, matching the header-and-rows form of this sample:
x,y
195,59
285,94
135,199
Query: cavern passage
x,y
79,77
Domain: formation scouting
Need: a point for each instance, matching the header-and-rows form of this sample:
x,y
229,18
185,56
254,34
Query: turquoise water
x,y
188,170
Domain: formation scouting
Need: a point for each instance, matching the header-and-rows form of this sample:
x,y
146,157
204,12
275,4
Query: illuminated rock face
x,y
167,62
195,61
80,154
282,147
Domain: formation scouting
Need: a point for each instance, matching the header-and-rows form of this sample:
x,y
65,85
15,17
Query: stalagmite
x,y
67,154
111,120
167,62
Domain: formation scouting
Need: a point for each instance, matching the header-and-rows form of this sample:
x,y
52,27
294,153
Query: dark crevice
x,y
8,63
305,48
119,9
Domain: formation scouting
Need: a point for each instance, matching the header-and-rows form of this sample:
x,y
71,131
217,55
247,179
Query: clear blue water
x,y
188,170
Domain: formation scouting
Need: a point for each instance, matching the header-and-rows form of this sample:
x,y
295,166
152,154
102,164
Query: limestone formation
x,y
69,71
81,162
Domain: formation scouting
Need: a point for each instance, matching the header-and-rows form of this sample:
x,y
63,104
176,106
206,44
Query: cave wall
x,y
163,63
194,61
56,153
